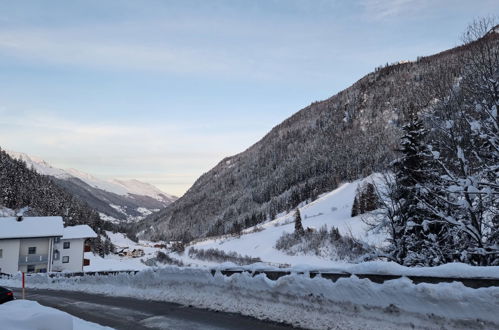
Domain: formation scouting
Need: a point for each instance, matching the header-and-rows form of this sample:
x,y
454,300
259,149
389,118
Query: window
x,y
31,268
57,255
65,259
57,240
67,245
32,250
1,253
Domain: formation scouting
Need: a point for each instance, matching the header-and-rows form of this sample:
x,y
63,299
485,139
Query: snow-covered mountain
x,y
116,200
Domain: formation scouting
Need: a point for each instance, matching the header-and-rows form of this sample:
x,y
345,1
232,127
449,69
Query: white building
x,y
41,244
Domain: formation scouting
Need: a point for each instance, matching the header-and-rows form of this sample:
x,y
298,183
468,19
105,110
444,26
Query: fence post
x,y
24,282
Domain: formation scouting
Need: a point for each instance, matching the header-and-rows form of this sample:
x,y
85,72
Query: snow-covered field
x,y
30,315
349,303
115,262
332,210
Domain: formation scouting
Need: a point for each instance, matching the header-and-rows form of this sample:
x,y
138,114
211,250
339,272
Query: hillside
x,y
116,201
343,138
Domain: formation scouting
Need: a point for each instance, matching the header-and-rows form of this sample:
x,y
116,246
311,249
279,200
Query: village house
x,y
42,244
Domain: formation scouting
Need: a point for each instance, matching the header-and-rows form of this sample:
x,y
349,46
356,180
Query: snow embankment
x,y
455,270
30,315
298,299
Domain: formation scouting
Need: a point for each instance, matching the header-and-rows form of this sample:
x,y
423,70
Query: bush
x,y
322,243
166,259
221,256
178,247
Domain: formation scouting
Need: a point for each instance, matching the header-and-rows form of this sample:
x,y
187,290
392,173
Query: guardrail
x,y
475,282
471,282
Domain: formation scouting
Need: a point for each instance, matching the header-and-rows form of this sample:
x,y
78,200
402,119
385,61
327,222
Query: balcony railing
x,y
33,259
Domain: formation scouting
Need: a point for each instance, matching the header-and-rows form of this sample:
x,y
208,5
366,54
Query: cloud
x,y
383,9
171,156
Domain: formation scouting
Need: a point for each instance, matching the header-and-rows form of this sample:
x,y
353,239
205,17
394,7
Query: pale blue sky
x,y
163,90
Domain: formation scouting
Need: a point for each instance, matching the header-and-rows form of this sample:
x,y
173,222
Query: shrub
x,y
322,243
221,256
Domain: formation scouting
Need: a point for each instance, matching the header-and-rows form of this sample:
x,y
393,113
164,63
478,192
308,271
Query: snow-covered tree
x,y
298,225
466,149
417,237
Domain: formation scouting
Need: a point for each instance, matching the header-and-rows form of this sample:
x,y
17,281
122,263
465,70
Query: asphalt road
x,y
129,313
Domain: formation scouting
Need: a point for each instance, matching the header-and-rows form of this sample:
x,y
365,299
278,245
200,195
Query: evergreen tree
x,y
417,236
298,225
355,206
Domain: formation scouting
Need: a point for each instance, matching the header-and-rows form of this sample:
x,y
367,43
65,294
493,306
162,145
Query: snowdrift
x,y
297,299
30,315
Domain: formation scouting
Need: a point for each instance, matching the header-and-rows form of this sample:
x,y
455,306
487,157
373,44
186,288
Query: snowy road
x,y
129,313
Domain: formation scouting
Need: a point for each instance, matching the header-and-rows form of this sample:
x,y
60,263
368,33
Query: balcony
x,y
33,259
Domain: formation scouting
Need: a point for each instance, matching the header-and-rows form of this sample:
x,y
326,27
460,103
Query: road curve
x,y
130,313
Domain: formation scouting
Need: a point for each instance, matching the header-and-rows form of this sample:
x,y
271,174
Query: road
x,y
129,313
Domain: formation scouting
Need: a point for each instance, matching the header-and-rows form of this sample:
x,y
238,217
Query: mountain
x,y
21,186
346,137
115,200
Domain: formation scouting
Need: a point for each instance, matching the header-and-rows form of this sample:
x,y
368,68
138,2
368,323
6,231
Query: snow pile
x,y
6,212
298,299
30,315
450,270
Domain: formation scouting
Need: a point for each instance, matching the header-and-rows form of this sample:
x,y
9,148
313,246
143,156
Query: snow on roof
x,y
30,227
80,231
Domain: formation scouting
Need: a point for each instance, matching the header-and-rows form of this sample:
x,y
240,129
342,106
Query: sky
x,y
161,91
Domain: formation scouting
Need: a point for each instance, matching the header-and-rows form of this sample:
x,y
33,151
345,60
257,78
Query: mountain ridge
x,y
347,136
115,200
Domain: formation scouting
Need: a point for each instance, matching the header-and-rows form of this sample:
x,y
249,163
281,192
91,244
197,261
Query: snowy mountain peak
x,y
39,165
116,186
137,187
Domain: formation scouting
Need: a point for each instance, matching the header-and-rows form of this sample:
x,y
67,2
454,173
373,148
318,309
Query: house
x,y
41,244
135,253
69,249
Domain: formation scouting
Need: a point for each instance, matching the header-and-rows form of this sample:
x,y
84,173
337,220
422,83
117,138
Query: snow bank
x,y
30,315
299,300
452,270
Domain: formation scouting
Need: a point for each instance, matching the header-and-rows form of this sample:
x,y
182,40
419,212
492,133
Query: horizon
x,y
162,93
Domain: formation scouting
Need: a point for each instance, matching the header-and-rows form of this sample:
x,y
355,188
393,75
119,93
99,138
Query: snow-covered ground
x,y
349,303
115,262
30,315
332,209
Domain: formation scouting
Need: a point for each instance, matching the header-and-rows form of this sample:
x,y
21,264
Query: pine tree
x,y
370,198
355,206
298,225
416,236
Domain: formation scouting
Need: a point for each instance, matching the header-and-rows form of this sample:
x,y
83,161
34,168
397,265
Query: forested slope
x,y
345,137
